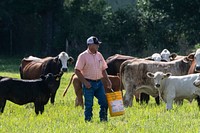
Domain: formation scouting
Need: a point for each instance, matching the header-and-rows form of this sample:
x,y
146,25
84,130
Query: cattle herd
x,y
40,79
165,76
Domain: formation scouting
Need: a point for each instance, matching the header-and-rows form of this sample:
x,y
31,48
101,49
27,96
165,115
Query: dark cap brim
x,y
99,42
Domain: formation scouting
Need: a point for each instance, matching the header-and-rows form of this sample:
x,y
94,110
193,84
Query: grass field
x,y
63,117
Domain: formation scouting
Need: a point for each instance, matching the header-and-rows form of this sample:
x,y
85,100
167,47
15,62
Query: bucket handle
x,y
113,96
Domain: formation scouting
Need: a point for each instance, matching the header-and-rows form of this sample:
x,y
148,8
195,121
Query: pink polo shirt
x,y
91,65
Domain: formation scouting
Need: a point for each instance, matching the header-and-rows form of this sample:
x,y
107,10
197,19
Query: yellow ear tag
x,y
57,78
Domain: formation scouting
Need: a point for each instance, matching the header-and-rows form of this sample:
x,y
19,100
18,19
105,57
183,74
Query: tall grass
x,y
63,117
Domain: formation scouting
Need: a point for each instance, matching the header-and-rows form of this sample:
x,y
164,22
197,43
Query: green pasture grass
x,y
64,117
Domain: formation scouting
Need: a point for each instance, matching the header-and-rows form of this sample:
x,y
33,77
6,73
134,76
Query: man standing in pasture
x,y
90,68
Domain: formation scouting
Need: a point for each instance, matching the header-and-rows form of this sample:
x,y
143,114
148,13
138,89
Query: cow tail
x,y
68,85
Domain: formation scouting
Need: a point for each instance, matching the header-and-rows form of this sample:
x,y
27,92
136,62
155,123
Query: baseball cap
x,y
93,40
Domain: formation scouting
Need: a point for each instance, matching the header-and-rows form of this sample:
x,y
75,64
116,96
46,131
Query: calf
x,y
25,91
172,88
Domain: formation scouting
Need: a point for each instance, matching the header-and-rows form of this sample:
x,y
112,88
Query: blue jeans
x,y
98,91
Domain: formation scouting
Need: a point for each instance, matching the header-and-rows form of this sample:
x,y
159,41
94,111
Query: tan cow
x,y
133,74
78,87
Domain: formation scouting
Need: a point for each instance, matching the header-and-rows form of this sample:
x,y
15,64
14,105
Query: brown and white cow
x,y
115,80
133,74
34,67
195,65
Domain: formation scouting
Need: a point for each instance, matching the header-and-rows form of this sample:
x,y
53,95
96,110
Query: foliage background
x,y
41,28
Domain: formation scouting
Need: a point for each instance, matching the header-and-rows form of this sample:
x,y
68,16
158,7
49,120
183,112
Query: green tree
x,y
170,24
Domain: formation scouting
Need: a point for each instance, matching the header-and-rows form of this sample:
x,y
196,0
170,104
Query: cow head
x,y
156,57
51,81
165,55
65,59
158,78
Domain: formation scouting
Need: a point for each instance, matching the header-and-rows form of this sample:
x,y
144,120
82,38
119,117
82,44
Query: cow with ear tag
x,y
21,91
34,67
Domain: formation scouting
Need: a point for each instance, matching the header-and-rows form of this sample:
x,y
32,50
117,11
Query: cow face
x,y
197,59
64,58
158,77
165,55
51,81
197,82
156,57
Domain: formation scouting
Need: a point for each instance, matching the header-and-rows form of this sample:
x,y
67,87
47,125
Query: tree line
x,y
47,27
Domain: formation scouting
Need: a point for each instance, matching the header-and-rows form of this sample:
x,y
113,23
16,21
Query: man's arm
x,y
81,78
108,82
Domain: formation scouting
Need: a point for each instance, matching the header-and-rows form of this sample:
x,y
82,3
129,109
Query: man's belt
x,y
91,80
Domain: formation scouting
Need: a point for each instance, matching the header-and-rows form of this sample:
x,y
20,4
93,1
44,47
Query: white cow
x,y
156,57
165,55
172,88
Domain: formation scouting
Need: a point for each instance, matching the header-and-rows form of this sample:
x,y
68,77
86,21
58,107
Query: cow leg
x,y
41,109
198,101
2,105
79,92
157,99
169,103
37,108
144,97
137,97
79,98
79,101
128,97
53,98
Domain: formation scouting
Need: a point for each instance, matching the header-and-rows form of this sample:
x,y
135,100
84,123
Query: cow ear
x,y
58,78
167,75
173,56
191,56
71,60
150,75
56,59
42,77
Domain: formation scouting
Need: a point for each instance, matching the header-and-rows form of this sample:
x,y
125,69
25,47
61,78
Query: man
x,y
90,68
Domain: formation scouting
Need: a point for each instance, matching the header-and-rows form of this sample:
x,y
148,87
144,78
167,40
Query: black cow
x,y
25,91
33,67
